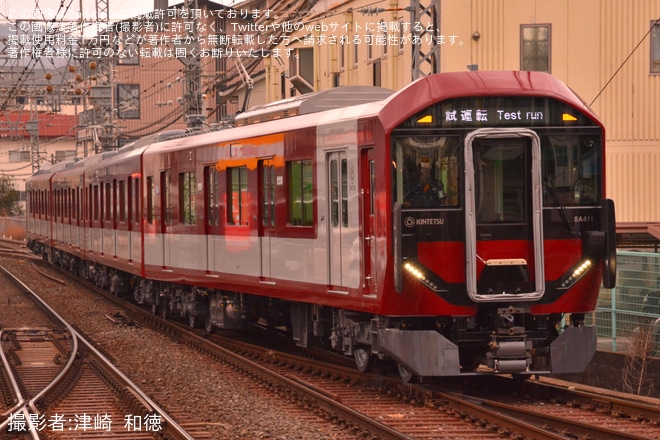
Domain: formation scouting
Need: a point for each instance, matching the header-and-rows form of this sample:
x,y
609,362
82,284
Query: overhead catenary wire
x,y
625,61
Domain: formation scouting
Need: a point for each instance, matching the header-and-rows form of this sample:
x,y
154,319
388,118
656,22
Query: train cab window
x,y
187,190
237,196
571,169
426,171
212,191
299,178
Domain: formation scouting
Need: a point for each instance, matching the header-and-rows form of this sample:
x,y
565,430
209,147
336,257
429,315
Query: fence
x,y
633,304
12,227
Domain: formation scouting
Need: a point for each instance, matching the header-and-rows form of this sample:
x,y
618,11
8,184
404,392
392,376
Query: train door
x,y
267,221
367,199
504,242
213,215
337,197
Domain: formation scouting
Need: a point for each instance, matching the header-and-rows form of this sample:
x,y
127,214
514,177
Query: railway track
x,y
578,413
62,386
421,411
376,406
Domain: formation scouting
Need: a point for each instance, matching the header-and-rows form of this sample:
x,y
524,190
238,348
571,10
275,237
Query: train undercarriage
x,y
496,340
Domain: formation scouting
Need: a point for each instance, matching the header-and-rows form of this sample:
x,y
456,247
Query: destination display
x,y
495,111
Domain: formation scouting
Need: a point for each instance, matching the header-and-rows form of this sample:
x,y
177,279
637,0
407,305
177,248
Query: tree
x,y
637,378
8,197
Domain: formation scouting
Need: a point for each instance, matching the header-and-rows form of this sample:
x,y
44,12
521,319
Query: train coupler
x,y
509,354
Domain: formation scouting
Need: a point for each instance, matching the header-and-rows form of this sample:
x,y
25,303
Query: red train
x,y
446,226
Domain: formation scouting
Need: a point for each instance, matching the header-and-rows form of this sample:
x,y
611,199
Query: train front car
x,y
501,232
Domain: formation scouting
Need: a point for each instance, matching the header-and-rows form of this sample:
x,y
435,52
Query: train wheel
x,y
208,326
191,320
405,374
363,359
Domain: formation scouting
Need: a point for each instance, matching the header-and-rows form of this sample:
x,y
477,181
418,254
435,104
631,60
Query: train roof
x,y
434,88
339,97
358,102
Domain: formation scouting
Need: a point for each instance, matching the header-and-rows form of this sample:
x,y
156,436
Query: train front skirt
x,y
427,353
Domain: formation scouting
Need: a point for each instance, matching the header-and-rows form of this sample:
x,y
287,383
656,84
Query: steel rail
x,y
179,431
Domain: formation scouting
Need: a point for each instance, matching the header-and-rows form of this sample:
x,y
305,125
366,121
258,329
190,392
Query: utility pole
x,y
424,35
426,54
100,124
32,127
193,111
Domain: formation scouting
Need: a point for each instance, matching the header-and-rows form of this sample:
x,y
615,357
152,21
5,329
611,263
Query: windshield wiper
x,y
562,209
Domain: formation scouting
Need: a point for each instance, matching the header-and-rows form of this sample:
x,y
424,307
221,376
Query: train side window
x,y
108,201
100,205
136,200
268,194
344,192
69,204
299,178
187,190
122,200
96,203
372,187
57,204
237,196
212,192
166,188
339,172
334,194
88,203
77,204
115,201
150,199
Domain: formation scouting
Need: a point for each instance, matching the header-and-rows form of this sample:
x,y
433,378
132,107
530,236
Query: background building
x,y
259,51
608,52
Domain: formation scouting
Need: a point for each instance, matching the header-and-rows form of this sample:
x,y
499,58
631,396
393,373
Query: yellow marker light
x,y
428,119
568,118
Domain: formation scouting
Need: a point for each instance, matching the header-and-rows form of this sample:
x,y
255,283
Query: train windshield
x,y
426,171
571,169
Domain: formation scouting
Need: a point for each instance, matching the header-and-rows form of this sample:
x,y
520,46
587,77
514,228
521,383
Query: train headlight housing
x,y
578,273
423,275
